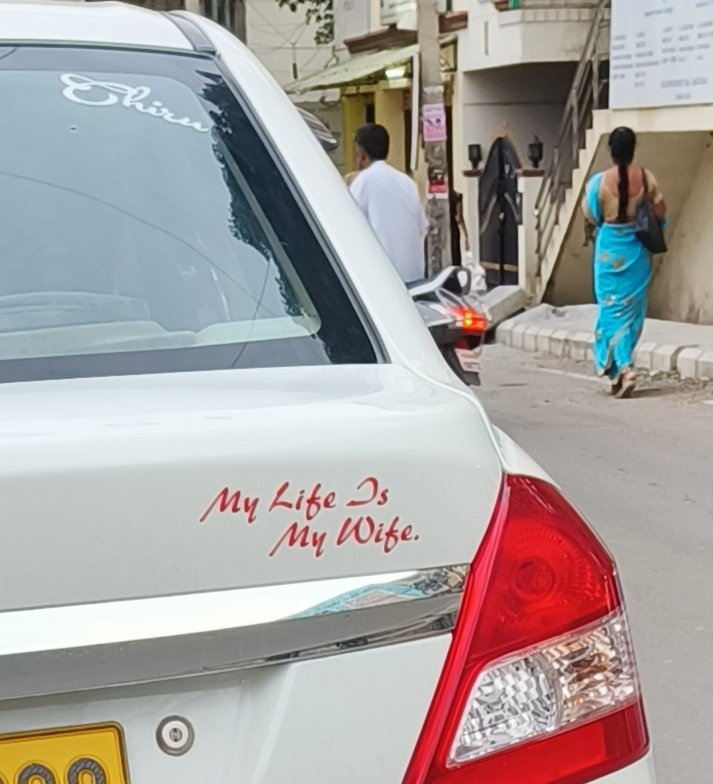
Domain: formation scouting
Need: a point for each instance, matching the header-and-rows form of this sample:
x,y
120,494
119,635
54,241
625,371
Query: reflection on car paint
x,y
416,586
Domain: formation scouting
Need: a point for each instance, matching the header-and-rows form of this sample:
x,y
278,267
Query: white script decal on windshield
x,y
89,92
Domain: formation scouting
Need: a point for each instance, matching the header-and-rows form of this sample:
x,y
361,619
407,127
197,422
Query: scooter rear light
x,y
470,320
540,683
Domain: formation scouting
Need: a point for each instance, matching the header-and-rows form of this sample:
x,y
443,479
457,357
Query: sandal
x,y
616,383
628,385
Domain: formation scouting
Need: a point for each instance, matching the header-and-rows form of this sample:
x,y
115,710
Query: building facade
x,y
376,63
286,44
517,63
651,73
507,69
533,88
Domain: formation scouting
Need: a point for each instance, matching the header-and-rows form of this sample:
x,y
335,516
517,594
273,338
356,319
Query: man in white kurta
x,y
390,201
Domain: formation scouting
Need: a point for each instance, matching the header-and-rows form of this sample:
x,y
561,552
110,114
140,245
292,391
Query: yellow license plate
x,y
85,755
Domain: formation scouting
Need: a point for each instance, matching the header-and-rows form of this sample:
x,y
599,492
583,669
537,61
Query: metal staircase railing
x,y
589,92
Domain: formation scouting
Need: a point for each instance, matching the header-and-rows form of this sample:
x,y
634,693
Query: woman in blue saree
x,y
622,265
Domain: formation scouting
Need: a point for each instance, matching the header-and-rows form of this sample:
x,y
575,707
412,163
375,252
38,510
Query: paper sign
x,y
437,181
434,123
661,53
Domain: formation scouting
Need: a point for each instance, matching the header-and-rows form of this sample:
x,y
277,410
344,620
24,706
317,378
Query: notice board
x,y
661,53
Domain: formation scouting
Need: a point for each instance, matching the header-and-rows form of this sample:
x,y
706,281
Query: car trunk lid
x,y
136,487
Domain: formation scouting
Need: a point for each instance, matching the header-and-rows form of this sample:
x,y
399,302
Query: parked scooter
x,y
456,320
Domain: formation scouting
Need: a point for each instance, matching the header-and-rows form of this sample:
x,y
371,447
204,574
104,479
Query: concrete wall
x,y
389,112
683,285
518,67
353,117
353,18
404,13
540,32
682,289
519,102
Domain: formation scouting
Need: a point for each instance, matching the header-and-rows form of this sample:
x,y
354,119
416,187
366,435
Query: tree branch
x,y
319,12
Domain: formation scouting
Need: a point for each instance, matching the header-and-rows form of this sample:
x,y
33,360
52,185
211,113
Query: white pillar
x,y
457,143
529,183
374,14
471,214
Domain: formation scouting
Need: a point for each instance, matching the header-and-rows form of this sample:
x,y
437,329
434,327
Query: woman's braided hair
x,y
622,145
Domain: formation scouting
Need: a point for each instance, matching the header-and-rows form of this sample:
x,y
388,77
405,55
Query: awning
x,y
355,69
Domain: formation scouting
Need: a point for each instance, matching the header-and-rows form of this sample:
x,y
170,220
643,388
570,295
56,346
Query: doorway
x,y
499,206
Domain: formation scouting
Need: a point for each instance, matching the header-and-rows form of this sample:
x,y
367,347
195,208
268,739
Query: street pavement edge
x,y
694,362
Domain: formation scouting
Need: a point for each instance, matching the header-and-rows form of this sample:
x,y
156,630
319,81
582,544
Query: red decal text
x,y
365,530
234,503
310,503
303,537
370,491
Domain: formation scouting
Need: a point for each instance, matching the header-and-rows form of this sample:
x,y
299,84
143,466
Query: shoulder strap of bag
x,y
646,182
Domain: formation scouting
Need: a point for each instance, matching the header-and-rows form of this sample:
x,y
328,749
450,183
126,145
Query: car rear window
x,y
147,226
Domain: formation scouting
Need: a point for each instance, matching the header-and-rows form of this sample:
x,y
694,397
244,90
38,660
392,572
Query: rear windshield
x,y
146,226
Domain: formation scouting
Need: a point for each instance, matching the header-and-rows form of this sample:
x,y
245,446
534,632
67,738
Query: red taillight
x,y
470,320
540,682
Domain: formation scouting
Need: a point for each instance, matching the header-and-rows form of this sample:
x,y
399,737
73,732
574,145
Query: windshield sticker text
x,y
368,522
89,92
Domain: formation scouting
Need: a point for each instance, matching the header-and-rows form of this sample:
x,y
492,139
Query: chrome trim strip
x,y
66,649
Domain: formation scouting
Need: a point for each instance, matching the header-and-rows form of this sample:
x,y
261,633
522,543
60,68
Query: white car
x,y
253,528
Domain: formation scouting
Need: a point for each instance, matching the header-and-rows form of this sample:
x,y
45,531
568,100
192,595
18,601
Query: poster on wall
x,y
434,122
661,53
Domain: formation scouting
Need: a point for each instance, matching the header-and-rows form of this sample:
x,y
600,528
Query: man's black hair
x,y
374,140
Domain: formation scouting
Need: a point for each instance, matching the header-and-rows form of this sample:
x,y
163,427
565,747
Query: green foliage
x,y
321,12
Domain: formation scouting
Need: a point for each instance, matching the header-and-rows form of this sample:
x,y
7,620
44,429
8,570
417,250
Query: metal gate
x,y
500,209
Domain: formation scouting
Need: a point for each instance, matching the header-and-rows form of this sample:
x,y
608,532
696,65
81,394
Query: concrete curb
x,y
690,362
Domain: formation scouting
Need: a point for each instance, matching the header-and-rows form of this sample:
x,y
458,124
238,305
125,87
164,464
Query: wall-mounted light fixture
x,y
475,156
396,72
535,152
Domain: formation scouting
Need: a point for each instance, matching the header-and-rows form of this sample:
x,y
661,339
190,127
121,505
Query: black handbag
x,y
649,230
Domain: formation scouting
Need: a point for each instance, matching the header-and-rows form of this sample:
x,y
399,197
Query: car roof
x,y
103,23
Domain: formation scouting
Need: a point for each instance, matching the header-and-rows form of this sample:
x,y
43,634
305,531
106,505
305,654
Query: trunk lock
x,y
175,735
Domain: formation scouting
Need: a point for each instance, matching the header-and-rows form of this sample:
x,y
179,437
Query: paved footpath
x,y
642,471
567,333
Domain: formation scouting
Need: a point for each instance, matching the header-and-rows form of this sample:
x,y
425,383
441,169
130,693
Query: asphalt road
x,y
642,472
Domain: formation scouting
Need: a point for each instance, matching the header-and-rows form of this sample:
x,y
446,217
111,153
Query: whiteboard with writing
x,y
661,53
